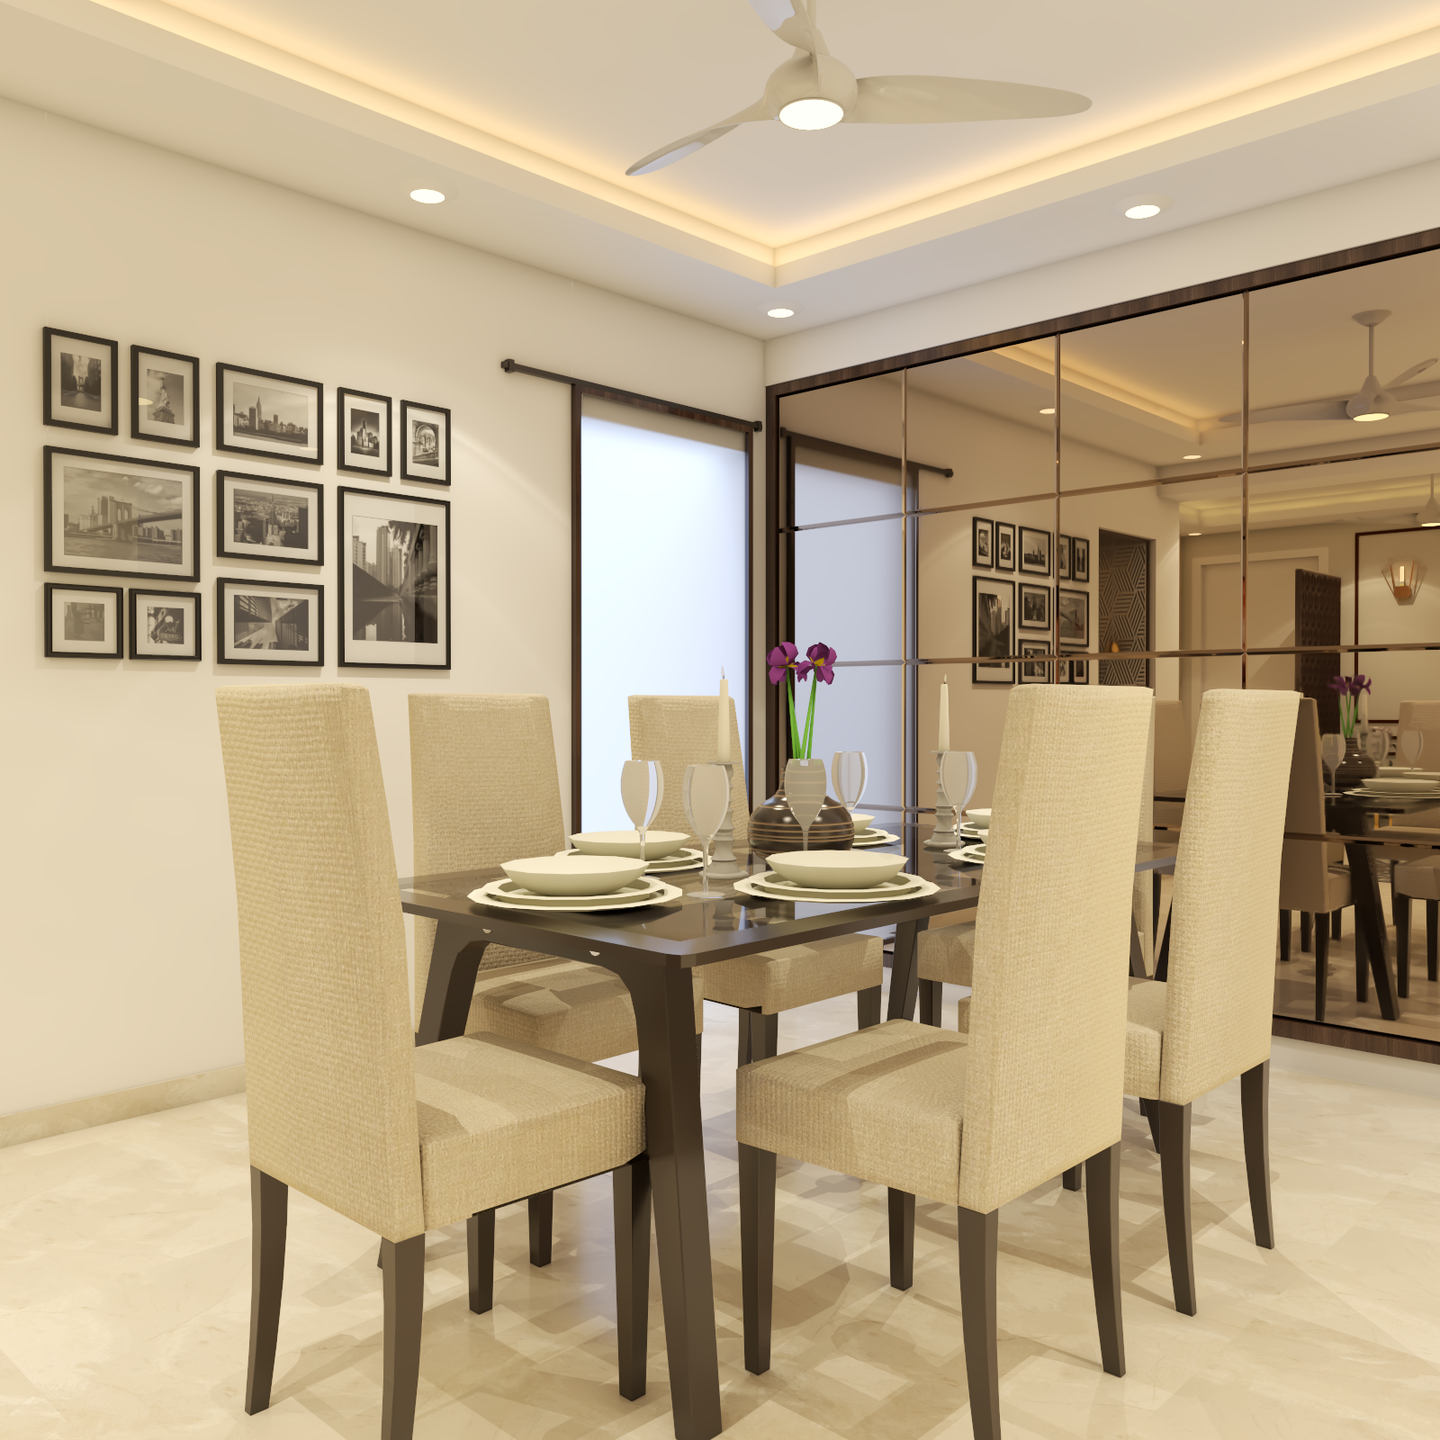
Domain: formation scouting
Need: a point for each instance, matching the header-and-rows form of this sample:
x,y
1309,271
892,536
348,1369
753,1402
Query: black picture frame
x,y
1034,672
351,458
1062,557
992,620
1074,669
102,387
982,544
82,542
1036,560
155,386
251,649
308,525
1080,562
360,513
1033,610
56,590
414,449
142,643
1004,545
236,384
1072,609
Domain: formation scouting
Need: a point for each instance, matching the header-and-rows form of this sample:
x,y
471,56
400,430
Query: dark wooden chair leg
x,y
931,993
1306,929
1150,1109
1285,937
1162,965
1102,1212
1255,1120
867,1007
1154,901
403,1267
1401,906
542,1226
902,1239
1335,928
1071,1178
1175,1189
1432,939
757,1253
759,1036
631,1185
269,1210
1322,970
979,1247
1362,964
480,1260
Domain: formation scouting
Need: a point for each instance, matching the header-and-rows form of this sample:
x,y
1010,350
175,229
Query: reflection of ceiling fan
x,y
813,91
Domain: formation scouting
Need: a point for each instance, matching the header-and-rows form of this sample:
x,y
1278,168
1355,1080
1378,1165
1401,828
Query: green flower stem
x,y
810,717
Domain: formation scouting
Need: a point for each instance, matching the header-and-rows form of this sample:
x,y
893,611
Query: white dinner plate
x,y
506,895
762,888
967,855
874,837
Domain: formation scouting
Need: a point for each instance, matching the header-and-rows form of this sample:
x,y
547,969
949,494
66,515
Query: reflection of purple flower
x,y
1360,682
781,658
824,662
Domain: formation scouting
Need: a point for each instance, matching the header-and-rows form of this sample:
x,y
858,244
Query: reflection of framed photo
x,y
1073,608
1034,672
994,612
1080,563
105,515
81,382
260,518
164,625
1062,557
1074,671
1004,545
982,544
164,404
1034,607
257,413
1034,551
82,620
394,580
269,622
362,438
424,443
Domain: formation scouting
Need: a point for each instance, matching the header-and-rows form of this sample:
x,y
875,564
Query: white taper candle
x,y
722,722
943,740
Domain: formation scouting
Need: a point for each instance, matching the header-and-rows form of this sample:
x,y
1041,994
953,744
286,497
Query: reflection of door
x,y
1124,606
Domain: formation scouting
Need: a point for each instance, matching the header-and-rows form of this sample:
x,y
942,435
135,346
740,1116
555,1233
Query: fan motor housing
x,y
811,77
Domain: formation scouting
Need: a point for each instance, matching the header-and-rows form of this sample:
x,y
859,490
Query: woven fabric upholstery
x,y
500,1119
796,975
1419,879
1220,990
1144,1038
679,730
1142,913
946,955
1307,881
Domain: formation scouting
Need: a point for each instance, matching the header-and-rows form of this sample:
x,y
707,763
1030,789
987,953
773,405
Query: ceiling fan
x,y
813,91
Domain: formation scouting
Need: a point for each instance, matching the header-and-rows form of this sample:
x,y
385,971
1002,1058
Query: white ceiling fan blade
x,y
788,20
1412,407
1311,410
1412,372
942,99
679,149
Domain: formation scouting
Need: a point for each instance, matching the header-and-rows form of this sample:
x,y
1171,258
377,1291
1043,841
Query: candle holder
x,y
723,864
946,835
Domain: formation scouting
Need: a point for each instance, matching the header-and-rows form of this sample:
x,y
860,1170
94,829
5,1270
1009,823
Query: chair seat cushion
x,y
1419,879
1144,1038
796,975
500,1120
947,955
884,1104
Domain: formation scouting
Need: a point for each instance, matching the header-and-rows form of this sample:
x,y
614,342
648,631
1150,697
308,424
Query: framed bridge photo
x,y
106,515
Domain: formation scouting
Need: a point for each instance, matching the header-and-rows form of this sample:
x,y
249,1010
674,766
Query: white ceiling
x,y
526,116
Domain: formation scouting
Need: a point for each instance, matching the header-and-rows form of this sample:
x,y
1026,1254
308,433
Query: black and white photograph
x,y
83,620
1034,607
1062,557
1034,672
362,439
983,544
1004,545
1034,551
269,622
1080,564
424,443
278,416
164,404
994,611
394,580
1074,671
259,517
106,515
164,625
81,382
1073,608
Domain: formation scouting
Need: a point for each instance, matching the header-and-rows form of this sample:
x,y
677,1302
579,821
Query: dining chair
x,y
1417,879
342,1105
1209,1020
679,730
1035,1088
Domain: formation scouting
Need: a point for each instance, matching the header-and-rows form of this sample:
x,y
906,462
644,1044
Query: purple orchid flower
x,y
823,658
781,658
1359,683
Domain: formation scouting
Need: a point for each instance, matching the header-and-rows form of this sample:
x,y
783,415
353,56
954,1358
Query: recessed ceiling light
x,y
1190,457
1141,212
780,313
1193,533
813,114
427,197
1048,410
1142,207
1373,415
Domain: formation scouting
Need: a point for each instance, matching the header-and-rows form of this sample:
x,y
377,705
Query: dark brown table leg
x,y
450,986
1369,913
904,973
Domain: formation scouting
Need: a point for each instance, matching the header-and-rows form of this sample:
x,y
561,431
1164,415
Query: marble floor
x,y
124,1283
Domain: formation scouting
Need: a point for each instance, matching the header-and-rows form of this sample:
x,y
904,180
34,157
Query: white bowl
x,y
862,822
978,819
1400,787
835,869
574,875
658,843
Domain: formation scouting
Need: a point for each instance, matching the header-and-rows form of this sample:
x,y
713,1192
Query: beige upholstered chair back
x,y
1172,748
1304,863
484,789
1424,716
679,730
1220,994
329,1049
1052,937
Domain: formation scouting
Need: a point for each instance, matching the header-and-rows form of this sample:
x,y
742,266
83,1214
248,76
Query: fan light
x,y
813,114
1048,410
1190,457
1429,516
780,314
1372,415
427,197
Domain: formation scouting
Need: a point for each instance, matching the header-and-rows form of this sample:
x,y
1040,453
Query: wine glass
x,y
1377,744
706,793
805,794
1412,742
847,775
642,788
958,775
1332,752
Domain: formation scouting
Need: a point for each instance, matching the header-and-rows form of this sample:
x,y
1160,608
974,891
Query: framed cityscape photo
x,y
1032,671
1080,563
164,399
994,612
81,382
257,413
1034,607
1073,608
1062,557
83,620
105,515
1004,545
394,580
269,622
362,432
1034,551
260,518
164,625
424,443
983,544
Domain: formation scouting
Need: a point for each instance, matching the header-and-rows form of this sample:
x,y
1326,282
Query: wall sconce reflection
x,y
1404,577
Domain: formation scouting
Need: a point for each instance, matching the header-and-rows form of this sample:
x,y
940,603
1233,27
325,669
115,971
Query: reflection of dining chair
x,y
1424,716
342,1105
679,730
1417,879
1036,1087
1209,1020
1172,759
